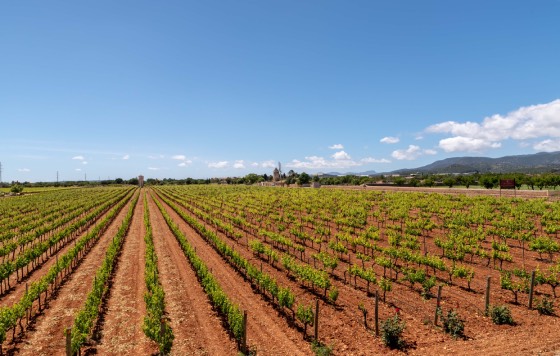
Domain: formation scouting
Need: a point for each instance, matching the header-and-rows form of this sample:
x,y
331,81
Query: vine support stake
x,y
68,342
28,311
316,321
437,304
531,290
376,313
162,328
244,335
487,297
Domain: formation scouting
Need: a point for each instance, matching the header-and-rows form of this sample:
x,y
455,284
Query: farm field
x,y
174,269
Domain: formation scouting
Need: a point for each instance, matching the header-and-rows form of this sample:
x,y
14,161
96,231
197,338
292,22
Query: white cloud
x,y
78,158
254,164
24,170
547,146
340,160
153,168
240,164
84,162
530,122
468,144
268,164
125,157
156,156
221,164
374,160
78,169
341,155
337,146
411,153
389,140
185,163
315,162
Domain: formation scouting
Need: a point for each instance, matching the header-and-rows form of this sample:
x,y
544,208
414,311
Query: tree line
x,y
486,180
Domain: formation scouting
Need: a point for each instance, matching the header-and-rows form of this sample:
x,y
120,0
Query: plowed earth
x,y
342,325
199,330
267,331
44,336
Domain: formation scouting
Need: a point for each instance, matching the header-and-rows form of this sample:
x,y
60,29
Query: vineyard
x,y
220,270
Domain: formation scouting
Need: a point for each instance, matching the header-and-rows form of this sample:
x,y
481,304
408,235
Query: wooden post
x,y
244,336
28,311
437,304
161,328
487,297
376,312
316,321
68,342
531,290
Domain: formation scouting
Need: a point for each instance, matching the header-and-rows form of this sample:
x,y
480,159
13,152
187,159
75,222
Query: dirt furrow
x,y
340,326
267,331
18,288
197,328
121,330
45,335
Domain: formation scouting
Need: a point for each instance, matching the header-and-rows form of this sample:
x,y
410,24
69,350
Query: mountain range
x,y
542,162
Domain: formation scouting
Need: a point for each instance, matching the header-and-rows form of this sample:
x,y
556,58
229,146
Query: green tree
x,y
303,178
429,182
449,182
540,182
467,181
530,181
252,178
399,181
488,181
16,188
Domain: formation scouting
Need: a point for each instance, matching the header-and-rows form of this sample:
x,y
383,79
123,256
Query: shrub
x,y
305,315
391,332
427,286
452,323
333,294
364,311
16,188
545,306
501,314
320,349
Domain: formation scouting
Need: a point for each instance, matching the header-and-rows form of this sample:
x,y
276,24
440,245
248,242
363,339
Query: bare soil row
x,y
343,326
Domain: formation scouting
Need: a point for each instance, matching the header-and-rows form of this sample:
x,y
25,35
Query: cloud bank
x,y
389,140
411,153
536,122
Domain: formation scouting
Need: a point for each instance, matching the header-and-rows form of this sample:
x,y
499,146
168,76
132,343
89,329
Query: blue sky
x,y
225,88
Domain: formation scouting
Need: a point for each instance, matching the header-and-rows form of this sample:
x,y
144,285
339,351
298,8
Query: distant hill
x,y
336,174
533,163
